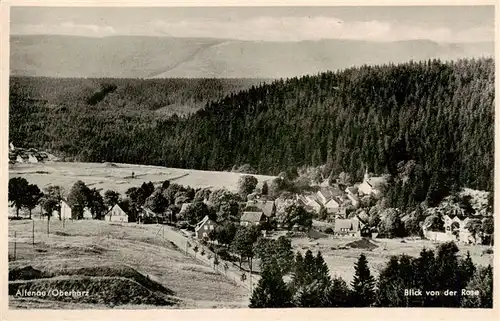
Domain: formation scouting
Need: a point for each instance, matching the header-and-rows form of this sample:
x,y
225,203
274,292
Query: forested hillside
x,y
429,122
162,96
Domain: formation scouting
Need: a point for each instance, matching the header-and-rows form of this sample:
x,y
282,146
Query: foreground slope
x,y
97,255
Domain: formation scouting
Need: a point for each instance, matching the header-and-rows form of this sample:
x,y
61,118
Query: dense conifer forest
x,y
436,116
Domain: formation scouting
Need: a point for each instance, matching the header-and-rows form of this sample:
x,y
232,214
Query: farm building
x,y
204,227
252,218
116,214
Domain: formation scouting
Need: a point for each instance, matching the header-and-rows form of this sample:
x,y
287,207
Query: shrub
x,y
488,251
183,224
329,230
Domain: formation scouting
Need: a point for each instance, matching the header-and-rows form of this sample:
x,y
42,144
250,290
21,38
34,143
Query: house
x,y
333,205
352,194
32,158
253,196
267,207
347,227
184,208
372,185
87,215
252,218
148,216
65,211
116,214
455,230
19,159
11,147
326,194
204,227
312,202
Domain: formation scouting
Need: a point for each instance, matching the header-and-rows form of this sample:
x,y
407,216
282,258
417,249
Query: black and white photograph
x,y
250,157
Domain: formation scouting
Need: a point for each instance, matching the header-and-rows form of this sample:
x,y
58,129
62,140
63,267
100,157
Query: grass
x,y
118,177
138,253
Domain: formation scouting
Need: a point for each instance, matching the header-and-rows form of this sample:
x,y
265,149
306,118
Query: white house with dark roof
x,y
116,214
348,227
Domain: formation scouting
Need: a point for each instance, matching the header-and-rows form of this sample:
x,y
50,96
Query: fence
x,y
27,237
188,244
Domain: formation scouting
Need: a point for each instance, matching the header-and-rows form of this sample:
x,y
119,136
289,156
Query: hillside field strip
x,y
118,177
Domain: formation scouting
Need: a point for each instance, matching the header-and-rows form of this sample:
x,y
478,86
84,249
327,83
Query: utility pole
x,y
15,240
48,224
33,232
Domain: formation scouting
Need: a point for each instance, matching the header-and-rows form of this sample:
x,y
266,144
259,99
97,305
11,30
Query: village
x,y
336,210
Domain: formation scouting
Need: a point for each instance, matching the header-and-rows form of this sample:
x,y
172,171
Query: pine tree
x,y
337,294
390,288
271,290
482,281
424,275
265,188
467,270
322,273
309,267
447,275
298,274
363,284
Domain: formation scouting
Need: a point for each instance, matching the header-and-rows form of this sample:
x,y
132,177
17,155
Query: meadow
x,y
341,253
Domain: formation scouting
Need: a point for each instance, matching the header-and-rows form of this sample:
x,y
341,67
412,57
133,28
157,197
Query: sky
x,y
436,23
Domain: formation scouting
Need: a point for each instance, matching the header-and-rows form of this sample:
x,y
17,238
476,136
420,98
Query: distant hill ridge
x,y
168,57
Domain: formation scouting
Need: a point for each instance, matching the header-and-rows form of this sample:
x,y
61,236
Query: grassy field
x,y
340,259
107,253
118,177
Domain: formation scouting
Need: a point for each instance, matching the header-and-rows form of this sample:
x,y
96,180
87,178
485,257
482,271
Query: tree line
x,y
433,279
